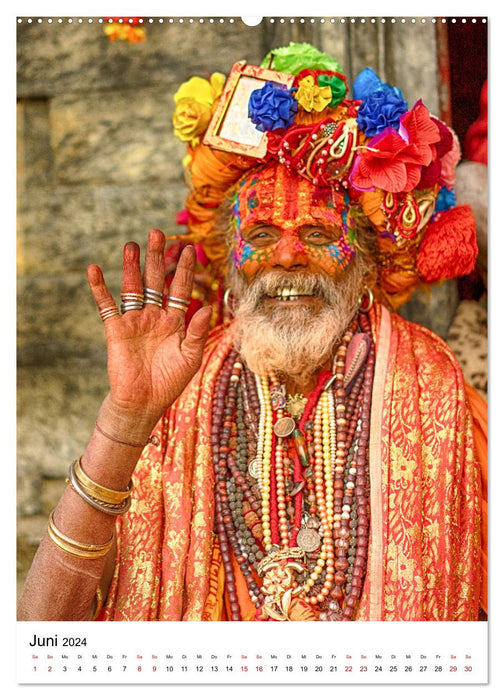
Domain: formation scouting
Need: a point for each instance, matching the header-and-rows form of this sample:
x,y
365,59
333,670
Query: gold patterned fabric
x,y
425,541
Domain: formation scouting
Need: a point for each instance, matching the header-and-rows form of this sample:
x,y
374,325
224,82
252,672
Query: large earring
x,y
226,301
363,306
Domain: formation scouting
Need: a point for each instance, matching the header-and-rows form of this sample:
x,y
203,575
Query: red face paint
x,y
283,221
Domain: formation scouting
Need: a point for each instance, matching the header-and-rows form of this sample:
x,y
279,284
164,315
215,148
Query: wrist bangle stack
x,y
77,549
101,498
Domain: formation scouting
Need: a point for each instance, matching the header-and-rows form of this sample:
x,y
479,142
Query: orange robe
x,y
424,557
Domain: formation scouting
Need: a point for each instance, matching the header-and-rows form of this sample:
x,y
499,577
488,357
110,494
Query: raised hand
x,y
151,357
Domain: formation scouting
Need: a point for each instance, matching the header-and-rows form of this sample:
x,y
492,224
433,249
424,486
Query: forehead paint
x,y
277,196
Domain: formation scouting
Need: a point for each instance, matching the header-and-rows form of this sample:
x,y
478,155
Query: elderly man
x,y
314,457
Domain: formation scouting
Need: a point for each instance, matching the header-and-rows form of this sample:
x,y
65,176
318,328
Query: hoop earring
x,y
370,300
226,302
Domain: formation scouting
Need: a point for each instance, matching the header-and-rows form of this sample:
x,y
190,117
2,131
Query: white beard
x,y
294,342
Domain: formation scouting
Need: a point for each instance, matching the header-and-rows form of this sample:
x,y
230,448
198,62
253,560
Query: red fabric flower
x,y
393,160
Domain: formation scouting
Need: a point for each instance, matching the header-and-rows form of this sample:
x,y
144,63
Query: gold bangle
x,y
101,493
77,549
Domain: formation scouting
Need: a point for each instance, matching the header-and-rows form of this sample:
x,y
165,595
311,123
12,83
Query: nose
x,y
289,253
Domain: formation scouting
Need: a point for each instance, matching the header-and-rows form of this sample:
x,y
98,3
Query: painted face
x,y
283,222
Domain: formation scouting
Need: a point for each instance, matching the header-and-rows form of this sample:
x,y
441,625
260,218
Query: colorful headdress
x,y
396,165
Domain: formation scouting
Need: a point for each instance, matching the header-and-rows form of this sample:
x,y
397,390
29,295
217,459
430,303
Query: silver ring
x,y
153,293
152,296
174,305
131,306
177,300
108,312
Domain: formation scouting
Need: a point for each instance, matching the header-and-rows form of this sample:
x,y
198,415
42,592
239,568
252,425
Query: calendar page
x,y
370,653
119,118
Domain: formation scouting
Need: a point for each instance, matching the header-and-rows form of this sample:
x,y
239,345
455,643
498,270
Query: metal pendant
x,y
254,468
308,539
284,426
295,405
277,398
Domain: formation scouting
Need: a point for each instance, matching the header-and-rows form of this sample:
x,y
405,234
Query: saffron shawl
x,y
425,494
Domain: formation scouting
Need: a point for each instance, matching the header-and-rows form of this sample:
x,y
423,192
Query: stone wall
x,y
97,166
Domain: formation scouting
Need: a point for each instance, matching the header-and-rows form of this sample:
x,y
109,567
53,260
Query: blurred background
x,y
98,165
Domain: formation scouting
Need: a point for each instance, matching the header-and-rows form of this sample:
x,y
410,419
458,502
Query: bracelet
x,y
77,549
102,506
100,493
121,442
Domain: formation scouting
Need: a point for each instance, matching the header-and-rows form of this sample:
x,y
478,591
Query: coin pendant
x,y
254,468
308,539
284,426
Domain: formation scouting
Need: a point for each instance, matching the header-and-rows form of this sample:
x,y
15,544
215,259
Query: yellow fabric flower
x,y
194,104
311,97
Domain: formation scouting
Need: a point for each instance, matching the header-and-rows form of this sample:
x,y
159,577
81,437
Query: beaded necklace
x,y
291,484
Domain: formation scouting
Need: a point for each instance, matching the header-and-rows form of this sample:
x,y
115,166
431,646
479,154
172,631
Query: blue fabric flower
x,y
381,109
382,104
272,107
445,200
365,83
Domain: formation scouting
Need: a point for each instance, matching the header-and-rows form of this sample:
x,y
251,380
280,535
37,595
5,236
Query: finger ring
x,y
131,306
152,296
131,296
108,312
177,300
131,301
174,305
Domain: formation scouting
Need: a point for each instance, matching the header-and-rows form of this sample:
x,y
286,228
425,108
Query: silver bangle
x,y
98,505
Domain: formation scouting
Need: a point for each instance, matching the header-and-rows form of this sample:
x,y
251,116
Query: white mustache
x,y
279,284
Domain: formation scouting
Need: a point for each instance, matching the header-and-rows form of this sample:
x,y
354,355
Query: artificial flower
x,y
337,83
442,169
297,56
272,107
190,120
365,84
194,105
311,97
382,104
393,160
381,109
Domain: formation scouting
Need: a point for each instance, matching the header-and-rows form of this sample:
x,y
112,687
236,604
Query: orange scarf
x,y
425,542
